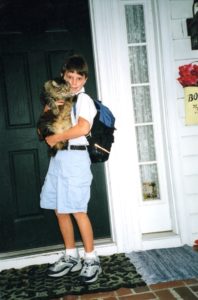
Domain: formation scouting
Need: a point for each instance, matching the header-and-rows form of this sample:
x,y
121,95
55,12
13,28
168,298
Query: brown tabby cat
x,y
58,118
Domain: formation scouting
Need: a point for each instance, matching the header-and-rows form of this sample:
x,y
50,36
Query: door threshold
x,y
156,235
48,255
157,240
47,250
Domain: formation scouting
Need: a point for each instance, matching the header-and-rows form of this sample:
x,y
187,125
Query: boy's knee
x,y
78,215
62,216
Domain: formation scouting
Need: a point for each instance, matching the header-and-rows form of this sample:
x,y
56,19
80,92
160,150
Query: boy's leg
x,y
91,266
67,230
70,261
86,231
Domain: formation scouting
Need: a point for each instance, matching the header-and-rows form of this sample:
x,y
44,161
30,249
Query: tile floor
x,y
181,290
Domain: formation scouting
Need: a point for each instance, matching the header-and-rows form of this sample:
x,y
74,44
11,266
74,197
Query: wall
x,y
180,10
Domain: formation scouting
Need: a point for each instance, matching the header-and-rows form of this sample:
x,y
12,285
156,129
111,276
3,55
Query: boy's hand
x,y
58,102
46,108
51,140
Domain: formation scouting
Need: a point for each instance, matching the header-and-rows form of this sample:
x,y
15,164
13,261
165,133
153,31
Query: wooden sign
x,y
191,105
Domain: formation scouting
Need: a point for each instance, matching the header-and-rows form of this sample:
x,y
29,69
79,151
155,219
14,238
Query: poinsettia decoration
x,y
188,75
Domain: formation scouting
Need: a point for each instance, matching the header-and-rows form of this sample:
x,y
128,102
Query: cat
x,y
58,118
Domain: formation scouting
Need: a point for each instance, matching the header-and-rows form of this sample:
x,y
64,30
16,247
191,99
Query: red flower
x,y
188,75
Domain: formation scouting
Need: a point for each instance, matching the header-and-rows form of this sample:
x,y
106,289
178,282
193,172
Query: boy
x,y
67,185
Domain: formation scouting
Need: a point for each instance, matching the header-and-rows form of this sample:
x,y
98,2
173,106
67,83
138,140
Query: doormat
x,y
32,282
160,265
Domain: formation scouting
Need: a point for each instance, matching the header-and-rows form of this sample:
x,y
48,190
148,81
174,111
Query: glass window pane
x,y
145,141
135,23
150,182
138,64
142,104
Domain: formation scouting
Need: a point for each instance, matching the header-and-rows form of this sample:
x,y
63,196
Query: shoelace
x,y
63,259
86,265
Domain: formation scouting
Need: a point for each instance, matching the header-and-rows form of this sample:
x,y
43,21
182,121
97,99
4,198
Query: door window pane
x,y
142,104
135,23
145,142
138,64
150,183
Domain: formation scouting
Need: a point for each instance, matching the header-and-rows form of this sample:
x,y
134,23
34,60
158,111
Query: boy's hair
x,y
75,63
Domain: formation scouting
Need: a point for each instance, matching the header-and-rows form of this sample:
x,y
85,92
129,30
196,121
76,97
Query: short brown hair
x,y
75,63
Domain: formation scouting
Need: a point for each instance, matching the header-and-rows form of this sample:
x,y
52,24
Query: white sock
x,y
72,252
90,255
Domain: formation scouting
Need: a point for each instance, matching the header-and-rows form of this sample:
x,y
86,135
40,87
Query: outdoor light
x,y
192,26
195,7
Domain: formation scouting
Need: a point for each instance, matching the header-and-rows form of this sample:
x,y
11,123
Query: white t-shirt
x,y
85,108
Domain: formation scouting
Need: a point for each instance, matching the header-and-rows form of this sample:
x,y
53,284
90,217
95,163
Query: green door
x,y
27,60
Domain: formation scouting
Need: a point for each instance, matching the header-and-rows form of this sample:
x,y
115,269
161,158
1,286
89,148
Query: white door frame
x,y
123,160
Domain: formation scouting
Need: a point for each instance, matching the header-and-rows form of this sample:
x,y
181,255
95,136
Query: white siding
x,y
187,135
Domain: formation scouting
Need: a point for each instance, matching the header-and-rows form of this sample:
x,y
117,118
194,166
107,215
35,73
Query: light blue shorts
x,y
67,183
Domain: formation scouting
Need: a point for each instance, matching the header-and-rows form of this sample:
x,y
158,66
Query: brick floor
x,y
181,290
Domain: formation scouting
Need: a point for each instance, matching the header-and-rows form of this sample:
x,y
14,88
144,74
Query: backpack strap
x,y
74,104
75,101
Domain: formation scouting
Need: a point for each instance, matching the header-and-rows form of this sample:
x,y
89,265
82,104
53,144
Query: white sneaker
x,y
64,265
91,269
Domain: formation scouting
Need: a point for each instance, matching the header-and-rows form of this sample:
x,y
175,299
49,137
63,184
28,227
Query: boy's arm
x,y
82,128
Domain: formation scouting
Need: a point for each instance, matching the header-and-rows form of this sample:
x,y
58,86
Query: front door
x,y
28,58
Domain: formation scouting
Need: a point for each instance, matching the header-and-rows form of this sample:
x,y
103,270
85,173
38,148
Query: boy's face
x,y
76,80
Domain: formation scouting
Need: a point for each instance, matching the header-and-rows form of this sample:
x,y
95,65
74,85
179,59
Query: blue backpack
x,y
101,135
